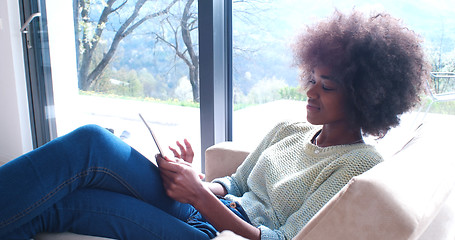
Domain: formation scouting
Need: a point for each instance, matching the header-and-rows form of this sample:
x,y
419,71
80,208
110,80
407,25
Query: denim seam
x,y
110,214
64,184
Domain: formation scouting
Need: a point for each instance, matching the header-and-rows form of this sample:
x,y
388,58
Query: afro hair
x,y
379,62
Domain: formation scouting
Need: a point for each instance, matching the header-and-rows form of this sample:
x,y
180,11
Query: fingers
x,y
174,164
173,167
176,154
189,149
186,151
182,149
164,162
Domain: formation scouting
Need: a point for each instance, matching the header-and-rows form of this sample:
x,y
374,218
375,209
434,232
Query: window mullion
x,y
215,73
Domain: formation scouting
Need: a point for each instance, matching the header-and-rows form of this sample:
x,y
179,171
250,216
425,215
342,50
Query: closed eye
x,y
325,88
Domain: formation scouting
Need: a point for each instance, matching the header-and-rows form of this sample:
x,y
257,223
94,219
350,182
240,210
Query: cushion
x,y
443,226
223,159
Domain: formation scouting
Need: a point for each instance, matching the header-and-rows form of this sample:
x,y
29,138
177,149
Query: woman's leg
x,y
107,214
89,157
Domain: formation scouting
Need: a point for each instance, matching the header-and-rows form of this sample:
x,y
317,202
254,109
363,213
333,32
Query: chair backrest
x,y
441,83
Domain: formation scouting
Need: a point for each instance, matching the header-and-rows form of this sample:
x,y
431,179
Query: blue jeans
x,y
90,182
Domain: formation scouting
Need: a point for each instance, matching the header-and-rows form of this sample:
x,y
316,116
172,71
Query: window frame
x,y
35,44
215,61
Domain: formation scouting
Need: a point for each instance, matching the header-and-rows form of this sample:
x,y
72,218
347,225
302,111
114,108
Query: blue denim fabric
x,y
198,221
89,182
107,214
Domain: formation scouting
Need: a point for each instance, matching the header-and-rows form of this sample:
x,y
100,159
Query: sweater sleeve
x,y
236,184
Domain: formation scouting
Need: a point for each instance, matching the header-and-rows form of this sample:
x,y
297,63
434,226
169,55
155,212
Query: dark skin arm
x,y
183,184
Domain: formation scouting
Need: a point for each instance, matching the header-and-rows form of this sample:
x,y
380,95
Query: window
x,y
265,82
112,60
247,81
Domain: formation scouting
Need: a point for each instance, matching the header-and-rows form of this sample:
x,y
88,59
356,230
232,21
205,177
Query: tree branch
x,y
124,30
119,7
150,16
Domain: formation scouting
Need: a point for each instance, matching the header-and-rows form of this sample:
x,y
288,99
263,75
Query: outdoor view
x,y
263,71
142,56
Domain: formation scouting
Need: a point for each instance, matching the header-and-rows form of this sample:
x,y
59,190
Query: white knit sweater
x,y
287,179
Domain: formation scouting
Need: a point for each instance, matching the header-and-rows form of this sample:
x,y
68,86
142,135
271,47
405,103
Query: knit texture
x,y
286,180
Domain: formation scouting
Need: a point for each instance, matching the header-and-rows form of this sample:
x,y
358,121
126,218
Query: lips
x,y
311,106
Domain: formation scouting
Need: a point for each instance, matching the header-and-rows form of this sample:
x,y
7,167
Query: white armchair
x,y
404,197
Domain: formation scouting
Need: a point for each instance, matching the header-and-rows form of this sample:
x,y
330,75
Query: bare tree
x,y
187,53
181,40
89,70
179,25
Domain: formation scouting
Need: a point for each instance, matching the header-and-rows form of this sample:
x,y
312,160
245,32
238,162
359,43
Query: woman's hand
x,y
186,152
180,180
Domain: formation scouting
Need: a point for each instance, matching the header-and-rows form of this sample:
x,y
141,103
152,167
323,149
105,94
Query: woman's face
x,y
326,99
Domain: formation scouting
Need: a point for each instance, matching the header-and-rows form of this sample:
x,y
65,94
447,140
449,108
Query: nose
x,y
311,91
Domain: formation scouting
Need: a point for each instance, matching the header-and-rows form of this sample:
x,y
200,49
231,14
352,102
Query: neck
x,y
337,136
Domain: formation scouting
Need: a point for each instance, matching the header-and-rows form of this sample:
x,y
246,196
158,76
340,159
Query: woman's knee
x,y
91,130
92,136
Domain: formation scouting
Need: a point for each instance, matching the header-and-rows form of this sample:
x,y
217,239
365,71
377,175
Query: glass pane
x,y
264,79
112,60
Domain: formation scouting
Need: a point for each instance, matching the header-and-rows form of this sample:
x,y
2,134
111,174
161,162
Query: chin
x,y
313,121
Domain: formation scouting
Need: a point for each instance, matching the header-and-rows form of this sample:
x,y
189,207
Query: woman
x,y
360,74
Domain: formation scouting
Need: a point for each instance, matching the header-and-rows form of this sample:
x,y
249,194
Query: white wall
x,y
15,134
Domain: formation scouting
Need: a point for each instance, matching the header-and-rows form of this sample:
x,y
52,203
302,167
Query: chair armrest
x,y
222,159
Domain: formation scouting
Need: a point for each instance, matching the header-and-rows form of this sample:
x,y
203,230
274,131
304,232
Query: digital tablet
x,y
153,135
